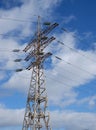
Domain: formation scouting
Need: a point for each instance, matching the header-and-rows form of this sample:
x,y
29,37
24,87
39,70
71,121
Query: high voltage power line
x,y
17,20
61,60
75,50
12,35
57,81
23,20
64,76
62,43
67,62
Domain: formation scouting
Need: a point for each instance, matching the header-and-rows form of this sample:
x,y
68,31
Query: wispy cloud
x,y
78,120
68,19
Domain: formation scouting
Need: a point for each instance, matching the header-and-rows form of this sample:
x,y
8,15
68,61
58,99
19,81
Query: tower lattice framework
x,y
36,116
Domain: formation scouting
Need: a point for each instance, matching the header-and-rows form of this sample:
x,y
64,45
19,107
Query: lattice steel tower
x,y
36,117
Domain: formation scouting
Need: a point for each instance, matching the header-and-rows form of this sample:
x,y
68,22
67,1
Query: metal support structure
x,y
36,105
36,117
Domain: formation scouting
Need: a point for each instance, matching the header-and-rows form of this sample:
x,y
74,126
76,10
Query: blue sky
x,y
73,78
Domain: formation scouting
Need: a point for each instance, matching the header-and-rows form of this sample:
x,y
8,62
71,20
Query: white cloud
x,y
19,81
7,55
59,119
62,79
90,100
10,117
49,3
2,75
28,12
68,19
73,120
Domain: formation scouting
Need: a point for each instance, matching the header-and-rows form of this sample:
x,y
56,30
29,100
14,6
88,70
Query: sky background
x,y
70,82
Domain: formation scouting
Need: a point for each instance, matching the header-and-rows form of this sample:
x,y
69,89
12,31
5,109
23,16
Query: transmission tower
x,y
36,116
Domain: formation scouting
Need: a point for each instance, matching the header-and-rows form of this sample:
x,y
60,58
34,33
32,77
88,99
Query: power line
x,y
67,31
18,70
1,69
50,77
15,70
68,64
17,20
59,58
56,80
11,35
73,49
62,59
62,43
14,19
62,83
74,73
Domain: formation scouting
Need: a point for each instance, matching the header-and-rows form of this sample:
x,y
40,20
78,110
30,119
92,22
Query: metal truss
x,y
36,116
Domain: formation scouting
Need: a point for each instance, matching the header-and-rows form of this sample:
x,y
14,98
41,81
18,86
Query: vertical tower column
x,y
36,116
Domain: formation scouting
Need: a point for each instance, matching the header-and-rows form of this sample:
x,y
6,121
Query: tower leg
x,y
36,117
